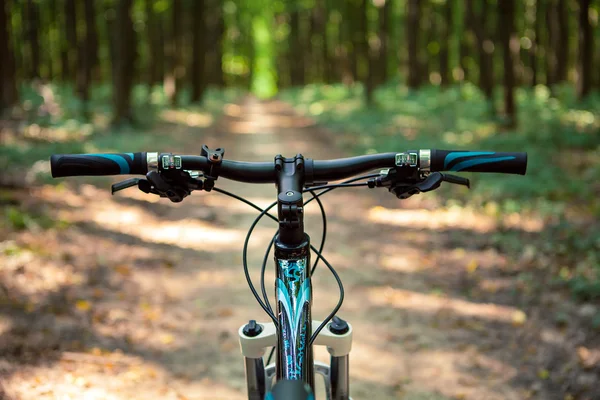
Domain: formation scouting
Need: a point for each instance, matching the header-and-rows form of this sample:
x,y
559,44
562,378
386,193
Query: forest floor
x,y
132,297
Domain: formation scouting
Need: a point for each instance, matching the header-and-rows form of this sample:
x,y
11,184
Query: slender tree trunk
x,y
33,22
92,43
414,74
198,50
429,26
536,44
124,55
372,52
384,39
153,50
562,55
464,46
344,50
219,76
8,88
176,66
586,46
552,41
296,65
507,34
72,46
87,53
446,41
485,48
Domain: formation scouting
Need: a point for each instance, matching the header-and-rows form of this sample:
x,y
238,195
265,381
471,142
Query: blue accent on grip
x,y
471,163
123,165
458,154
130,155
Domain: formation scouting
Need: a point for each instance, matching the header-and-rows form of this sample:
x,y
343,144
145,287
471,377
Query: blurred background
x,y
495,293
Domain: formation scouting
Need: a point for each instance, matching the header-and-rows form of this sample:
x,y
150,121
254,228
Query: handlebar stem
x,y
290,178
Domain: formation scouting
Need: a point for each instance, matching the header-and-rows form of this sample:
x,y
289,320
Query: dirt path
x,y
156,291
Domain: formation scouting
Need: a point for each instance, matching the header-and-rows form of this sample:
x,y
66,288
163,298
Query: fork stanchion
x,y
255,378
339,376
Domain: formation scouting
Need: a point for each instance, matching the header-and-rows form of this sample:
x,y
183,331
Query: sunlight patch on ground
x,y
415,301
455,217
189,118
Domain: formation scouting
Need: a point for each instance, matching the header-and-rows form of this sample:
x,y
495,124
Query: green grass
x,y
38,130
561,137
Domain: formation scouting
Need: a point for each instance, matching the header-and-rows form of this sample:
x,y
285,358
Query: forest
x,y
268,45
489,293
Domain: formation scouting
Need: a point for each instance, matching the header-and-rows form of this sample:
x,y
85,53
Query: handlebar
x,y
63,165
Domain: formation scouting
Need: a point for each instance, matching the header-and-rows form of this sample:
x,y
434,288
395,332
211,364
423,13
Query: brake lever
x,y
458,180
124,185
432,182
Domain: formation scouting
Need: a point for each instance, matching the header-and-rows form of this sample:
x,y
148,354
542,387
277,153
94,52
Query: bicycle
x,y
290,333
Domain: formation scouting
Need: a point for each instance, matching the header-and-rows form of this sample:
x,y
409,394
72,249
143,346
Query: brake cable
x,y
266,305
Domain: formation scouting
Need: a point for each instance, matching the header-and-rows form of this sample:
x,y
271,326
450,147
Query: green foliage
x,y
42,133
561,137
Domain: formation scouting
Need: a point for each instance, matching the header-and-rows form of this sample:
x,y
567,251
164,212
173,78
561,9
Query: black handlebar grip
x,y
98,164
478,161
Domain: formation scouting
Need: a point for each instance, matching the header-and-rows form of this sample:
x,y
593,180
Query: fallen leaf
x,y
472,266
83,305
519,318
167,338
123,269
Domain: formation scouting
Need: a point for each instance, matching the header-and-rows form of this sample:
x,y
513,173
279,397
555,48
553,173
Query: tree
x,y
87,54
536,43
585,58
123,61
8,88
383,38
175,67
296,63
198,50
562,56
33,22
414,75
507,35
445,41
485,47
70,66
154,46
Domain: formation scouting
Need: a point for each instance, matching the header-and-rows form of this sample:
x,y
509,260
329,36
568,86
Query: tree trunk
x,y
296,63
71,29
585,58
92,43
198,50
507,36
218,75
464,47
485,47
176,68
384,40
87,53
372,52
33,22
152,76
552,40
414,74
124,55
320,16
446,41
536,44
562,56
8,88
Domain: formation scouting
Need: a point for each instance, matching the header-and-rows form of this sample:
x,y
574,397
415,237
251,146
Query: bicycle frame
x,y
293,292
